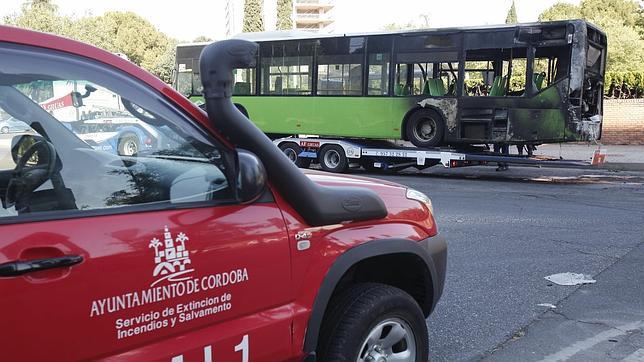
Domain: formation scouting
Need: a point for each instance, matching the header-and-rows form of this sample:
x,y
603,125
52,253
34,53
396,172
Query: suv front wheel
x,y
374,322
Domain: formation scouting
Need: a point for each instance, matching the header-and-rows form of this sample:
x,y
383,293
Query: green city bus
x,y
517,84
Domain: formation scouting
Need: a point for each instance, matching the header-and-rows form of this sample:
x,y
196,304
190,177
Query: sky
x,y
185,20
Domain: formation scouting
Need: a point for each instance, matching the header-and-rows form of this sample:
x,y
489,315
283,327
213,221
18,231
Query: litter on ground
x,y
570,279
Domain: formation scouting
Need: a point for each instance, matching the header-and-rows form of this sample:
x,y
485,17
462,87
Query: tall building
x,y
313,15
309,15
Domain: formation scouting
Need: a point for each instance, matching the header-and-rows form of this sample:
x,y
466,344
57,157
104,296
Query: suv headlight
x,y
420,197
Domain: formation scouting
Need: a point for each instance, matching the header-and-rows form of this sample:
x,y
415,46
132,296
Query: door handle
x,y
16,268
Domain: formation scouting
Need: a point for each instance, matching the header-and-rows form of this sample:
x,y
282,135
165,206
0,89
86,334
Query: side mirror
x,y
251,177
77,99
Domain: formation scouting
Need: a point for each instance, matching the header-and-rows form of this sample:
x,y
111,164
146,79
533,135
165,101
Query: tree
x,y
424,24
41,16
202,39
117,32
511,18
284,15
561,11
253,16
623,22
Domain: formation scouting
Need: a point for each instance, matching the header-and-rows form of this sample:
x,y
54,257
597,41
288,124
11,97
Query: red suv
x,y
214,247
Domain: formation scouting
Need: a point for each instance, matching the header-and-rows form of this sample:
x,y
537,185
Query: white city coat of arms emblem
x,y
171,257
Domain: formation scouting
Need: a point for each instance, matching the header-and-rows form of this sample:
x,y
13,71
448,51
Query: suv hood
x,y
399,207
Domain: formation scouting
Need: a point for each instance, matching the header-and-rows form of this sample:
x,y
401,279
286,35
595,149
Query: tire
x,y
425,128
360,313
292,150
128,145
4,129
333,159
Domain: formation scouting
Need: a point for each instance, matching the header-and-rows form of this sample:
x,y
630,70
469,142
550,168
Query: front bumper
x,y
436,249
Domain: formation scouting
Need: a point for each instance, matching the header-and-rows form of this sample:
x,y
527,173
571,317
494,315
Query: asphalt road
x,y
506,233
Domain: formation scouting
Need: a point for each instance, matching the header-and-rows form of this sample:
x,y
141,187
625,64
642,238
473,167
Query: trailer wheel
x,y
425,128
292,151
333,159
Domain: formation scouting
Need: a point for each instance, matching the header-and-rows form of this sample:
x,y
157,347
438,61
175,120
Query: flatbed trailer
x,y
339,155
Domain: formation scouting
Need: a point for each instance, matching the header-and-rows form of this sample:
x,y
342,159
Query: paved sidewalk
x,y
598,322
618,157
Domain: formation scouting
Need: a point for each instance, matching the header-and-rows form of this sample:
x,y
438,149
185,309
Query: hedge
x,y
620,85
624,85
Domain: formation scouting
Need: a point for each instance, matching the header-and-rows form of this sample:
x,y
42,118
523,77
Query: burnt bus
x,y
510,84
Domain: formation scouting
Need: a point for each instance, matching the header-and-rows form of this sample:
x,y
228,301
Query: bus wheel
x,y
128,145
292,150
333,159
425,128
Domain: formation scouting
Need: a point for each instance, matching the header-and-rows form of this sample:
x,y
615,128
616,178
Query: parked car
x,y
212,247
12,125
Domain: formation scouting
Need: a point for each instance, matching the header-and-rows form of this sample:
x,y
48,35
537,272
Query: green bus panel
x,y
360,117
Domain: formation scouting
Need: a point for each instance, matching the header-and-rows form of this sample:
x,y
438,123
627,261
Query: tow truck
x,y
340,155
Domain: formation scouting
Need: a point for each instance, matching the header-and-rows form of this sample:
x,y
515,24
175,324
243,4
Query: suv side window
x,y
98,140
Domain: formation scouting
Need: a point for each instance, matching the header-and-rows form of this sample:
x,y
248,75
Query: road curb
x,y
619,166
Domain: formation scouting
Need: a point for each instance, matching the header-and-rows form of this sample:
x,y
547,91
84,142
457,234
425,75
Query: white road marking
x,y
566,353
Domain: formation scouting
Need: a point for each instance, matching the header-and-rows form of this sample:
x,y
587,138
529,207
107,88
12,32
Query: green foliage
x,y
561,11
202,39
284,14
623,22
253,16
511,18
624,84
118,32
422,24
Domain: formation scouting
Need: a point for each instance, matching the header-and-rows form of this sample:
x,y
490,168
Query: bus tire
x,y
425,128
128,145
333,159
292,150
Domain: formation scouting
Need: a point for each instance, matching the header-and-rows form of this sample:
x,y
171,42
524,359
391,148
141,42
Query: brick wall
x,y
623,122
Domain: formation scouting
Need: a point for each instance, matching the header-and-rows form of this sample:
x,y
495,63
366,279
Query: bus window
x,y
550,65
518,66
432,74
340,66
486,72
244,81
286,68
379,49
479,78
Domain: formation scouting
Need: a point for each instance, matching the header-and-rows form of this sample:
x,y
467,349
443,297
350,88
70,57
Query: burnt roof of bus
x,y
300,35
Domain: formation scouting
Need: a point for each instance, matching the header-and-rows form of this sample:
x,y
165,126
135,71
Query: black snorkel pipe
x,y
317,204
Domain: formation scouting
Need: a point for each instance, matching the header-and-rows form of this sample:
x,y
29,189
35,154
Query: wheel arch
x,y
409,269
242,109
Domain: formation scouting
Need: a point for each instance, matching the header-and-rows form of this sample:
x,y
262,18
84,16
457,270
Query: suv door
x,y
137,256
